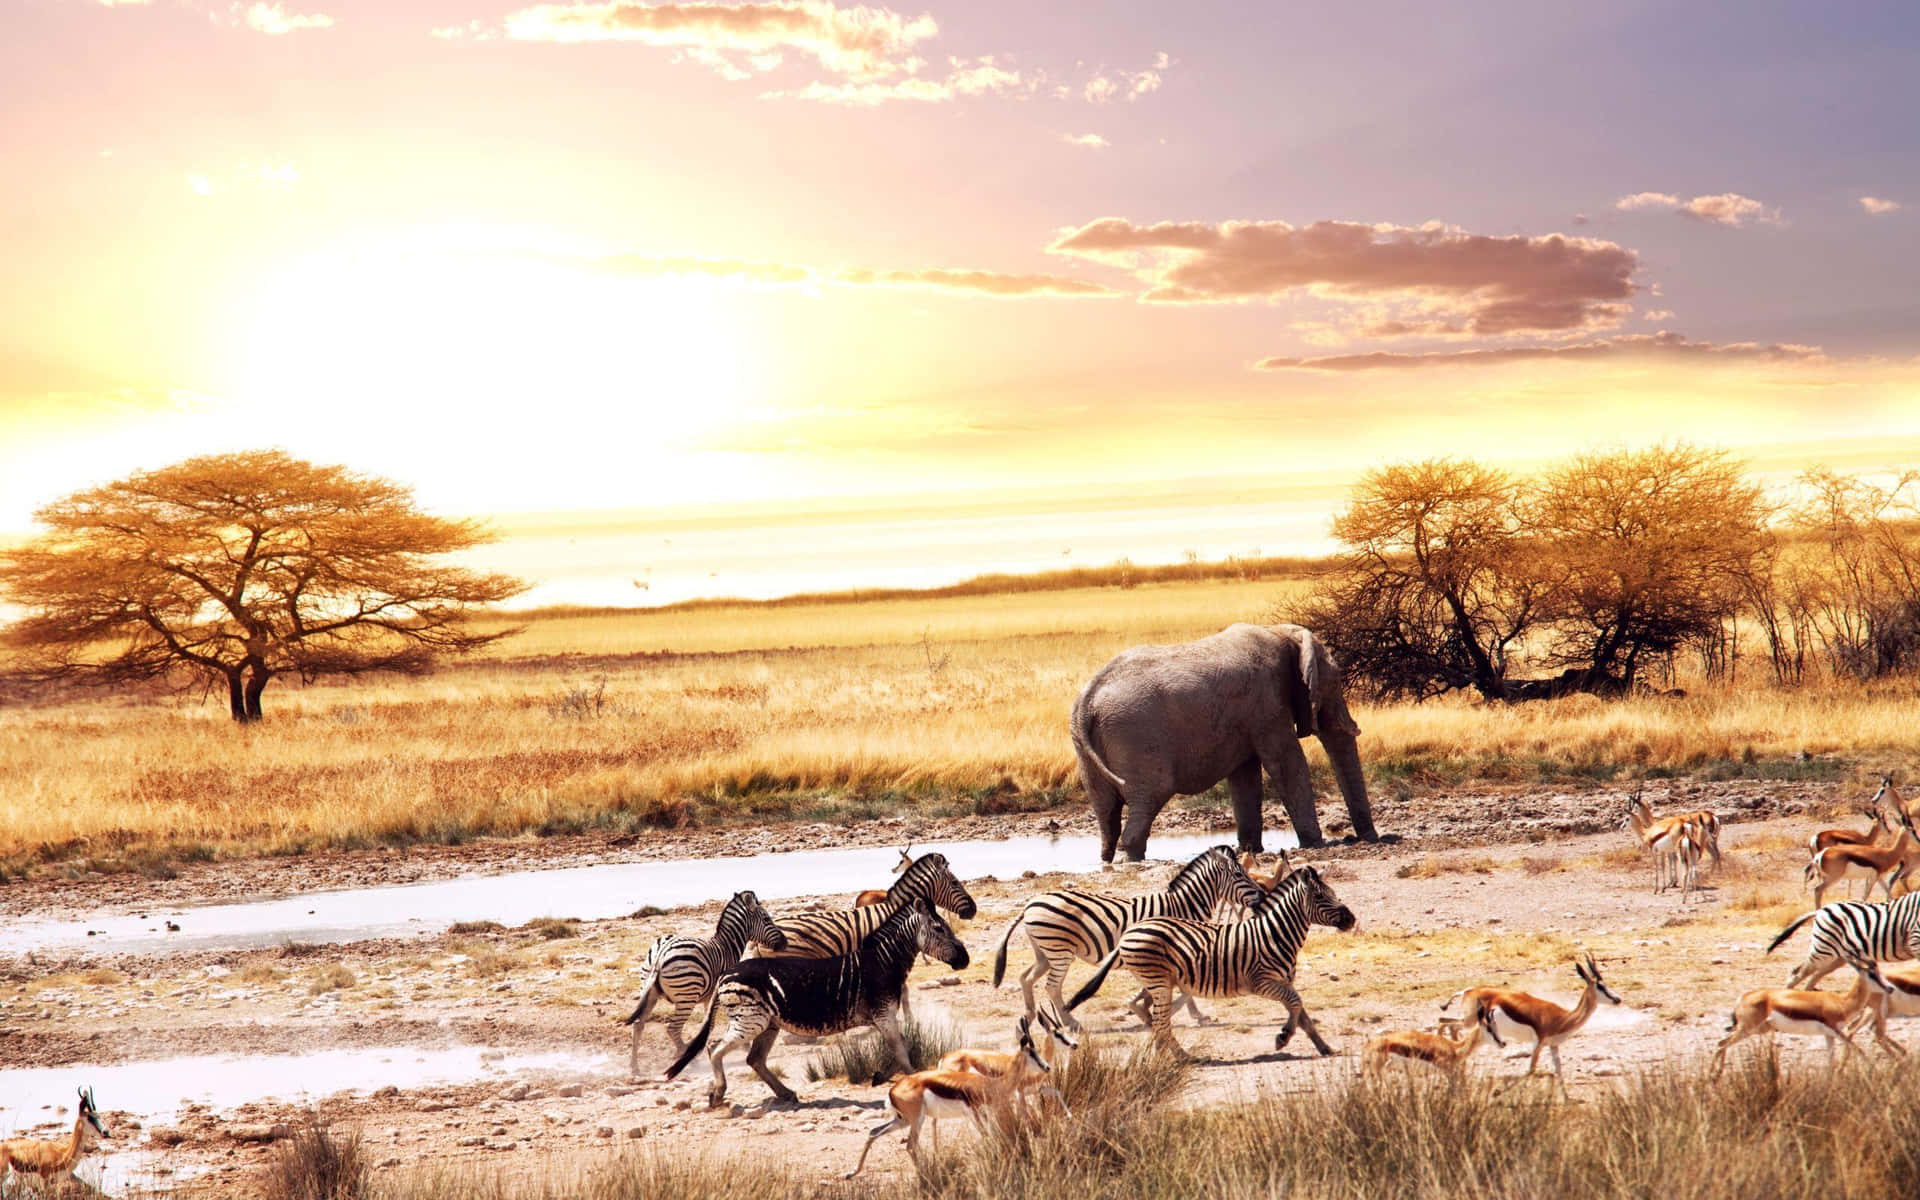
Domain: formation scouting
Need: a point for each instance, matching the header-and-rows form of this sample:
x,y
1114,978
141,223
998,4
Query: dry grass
x,y
820,711
330,977
1429,866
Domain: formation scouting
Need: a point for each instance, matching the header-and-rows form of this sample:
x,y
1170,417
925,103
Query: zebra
x,y
823,935
1848,930
1070,924
819,996
684,969
1256,955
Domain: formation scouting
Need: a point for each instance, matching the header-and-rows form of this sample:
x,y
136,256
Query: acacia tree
x,y
234,568
1436,586
1647,551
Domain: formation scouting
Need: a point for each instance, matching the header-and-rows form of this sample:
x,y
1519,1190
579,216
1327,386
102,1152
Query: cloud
x,y
1628,346
1879,207
1091,141
1725,208
1657,314
978,77
779,274
1131,85
267,176
275,20
857,42
987,283
1445,281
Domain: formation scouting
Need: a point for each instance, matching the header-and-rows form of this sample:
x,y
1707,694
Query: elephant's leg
x,y
1287,763
1145,798
1244,784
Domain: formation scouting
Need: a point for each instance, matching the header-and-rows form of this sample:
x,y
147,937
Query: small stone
x,y
257,1133
603,1131
555,1117
636,1131
469,1141
517,1092
618,1090
571,1090
167,1135
432,1106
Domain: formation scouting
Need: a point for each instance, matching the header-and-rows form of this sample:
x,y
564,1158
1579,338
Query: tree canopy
x,y
234,568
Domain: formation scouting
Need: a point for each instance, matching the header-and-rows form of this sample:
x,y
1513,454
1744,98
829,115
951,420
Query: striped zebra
x,y
1848,930
823,935
684,969
1070,924
1254,956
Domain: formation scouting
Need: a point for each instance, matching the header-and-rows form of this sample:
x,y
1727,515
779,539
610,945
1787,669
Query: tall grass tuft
x,y
866,1056
319,1164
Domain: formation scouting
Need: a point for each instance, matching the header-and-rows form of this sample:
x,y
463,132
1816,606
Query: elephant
x,y
1160,721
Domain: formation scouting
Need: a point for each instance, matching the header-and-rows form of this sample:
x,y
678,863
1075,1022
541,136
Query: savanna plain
x,y
721,729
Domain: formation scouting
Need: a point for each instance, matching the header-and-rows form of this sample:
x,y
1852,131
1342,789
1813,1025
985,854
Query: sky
x,y
613,257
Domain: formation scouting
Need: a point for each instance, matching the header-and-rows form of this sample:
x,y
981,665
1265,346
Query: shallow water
x,y
155,1091
586,893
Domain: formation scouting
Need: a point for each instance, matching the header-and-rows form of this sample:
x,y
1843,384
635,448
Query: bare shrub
x,y
318,1164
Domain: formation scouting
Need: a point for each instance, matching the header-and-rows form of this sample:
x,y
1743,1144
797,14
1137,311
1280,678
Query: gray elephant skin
x,y
1161,721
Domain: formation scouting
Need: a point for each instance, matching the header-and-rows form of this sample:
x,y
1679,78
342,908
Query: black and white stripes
x,y
683,970
820,935
1253,956
1854,930
1072,924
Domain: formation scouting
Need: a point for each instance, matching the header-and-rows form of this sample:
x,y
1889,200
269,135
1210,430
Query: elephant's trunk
x,y
1343,751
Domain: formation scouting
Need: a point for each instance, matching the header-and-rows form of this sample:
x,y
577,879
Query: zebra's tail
x,y
648,979
1093,985
1789,930
699,1041
1000,951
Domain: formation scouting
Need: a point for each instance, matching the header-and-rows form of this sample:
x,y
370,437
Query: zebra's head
x,y
1214,875
933,937
930,878
1316,898
761,930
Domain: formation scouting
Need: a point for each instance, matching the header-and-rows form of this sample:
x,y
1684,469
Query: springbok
x,y
1662,836
1875,864
1448,1055
874,896
1519,1016
1059,1045
52,1160
941,1093
1903,1000
1822,1014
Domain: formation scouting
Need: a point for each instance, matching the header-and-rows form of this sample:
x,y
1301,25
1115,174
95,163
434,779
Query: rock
x,y
517,1092
555,1117
166,1135
257,1133
431,1106
636,1131
618,1090
497,1131
603,1131
469,1141
571,1090
388,1162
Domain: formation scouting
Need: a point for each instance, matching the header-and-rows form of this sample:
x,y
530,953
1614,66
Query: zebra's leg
x,y
1283,991
1160,1015
639,1023
677,1026
757,1059
1810,973
1032,975
888,1023
1142,1007
1199,1018
1056,977
736,1037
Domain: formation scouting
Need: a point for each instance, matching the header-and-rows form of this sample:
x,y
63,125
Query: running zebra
x,y
684,969
1851,930
1254,956
1070,924
819,996
823,935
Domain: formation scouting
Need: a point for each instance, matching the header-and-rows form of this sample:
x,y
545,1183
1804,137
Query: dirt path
x,y
1489,888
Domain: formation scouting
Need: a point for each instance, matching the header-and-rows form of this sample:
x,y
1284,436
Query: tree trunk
x,y
236,695
256,683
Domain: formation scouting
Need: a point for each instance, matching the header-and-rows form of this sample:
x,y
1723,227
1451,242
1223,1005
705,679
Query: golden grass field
x,y
832,707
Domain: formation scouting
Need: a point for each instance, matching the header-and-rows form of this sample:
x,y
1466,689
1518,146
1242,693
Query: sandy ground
x,y
1480,888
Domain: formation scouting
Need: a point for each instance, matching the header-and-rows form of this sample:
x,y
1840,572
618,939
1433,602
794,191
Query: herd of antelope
x,y
1217,929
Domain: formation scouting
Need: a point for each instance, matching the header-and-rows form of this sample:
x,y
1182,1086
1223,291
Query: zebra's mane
x,y
918,876
1291,888
1198,865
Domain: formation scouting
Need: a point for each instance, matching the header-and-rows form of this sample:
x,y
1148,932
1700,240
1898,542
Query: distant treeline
x,y
1122,574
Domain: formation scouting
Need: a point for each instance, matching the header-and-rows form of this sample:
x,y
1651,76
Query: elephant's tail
x,y
1000,951
1083,740
1093,985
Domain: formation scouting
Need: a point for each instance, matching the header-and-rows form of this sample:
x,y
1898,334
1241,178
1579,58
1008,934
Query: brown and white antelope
x,y
1266,883
52,1160
1881,833
1057,1046
1520,1016
941,1093
1448,1055
1875,864
879,895
1903,1000
1662,837
1819,1014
